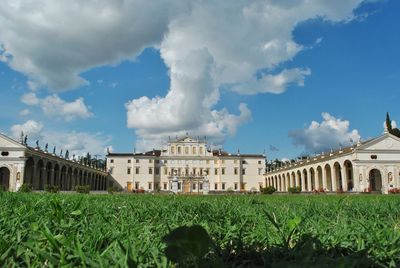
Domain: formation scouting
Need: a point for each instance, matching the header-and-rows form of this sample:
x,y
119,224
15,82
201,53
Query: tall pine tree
x,y
388,123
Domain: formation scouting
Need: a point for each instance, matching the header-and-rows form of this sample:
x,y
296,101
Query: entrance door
x,y
375,180
5,178
186,186
129,186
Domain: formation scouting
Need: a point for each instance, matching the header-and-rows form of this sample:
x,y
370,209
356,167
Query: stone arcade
x,y
372,166
20,164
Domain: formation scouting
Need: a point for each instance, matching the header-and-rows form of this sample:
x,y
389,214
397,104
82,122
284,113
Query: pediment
x,y
7,142
385,142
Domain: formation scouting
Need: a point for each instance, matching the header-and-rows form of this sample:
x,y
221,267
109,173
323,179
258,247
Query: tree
x,y
391,130
388,123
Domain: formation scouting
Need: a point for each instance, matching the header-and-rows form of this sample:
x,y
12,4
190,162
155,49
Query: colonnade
x,y
66,174
326,177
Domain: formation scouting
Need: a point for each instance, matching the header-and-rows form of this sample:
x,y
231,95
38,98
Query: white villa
x,y
192,163
372,166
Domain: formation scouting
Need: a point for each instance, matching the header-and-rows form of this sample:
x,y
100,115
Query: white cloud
x,y
30,99
276,84
78,143
204,44
54,106
24,112
31,128
330,133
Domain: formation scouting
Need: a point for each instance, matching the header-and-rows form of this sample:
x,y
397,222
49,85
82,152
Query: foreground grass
x,y
126,230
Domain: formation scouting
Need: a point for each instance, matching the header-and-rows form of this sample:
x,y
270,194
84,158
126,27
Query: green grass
x,y
127,230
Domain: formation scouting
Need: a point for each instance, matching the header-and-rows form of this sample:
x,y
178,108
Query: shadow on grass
x,y
193,247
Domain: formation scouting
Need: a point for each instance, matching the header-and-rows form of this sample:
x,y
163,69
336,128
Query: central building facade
x,y
195,166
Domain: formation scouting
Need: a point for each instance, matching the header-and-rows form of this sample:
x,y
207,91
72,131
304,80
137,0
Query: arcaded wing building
x,y
38,167
372,166
192,163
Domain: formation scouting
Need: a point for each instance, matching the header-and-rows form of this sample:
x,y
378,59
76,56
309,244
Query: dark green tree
x,y
388,123
391,130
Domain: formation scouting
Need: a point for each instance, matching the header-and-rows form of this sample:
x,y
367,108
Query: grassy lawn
x,y
247,231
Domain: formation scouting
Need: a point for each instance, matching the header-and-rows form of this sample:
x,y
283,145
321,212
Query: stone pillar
x,y
309,183
334,178
316,179
344,179
303,182
298,179
324,182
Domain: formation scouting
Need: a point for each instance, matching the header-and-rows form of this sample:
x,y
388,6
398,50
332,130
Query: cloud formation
x,y
240,45
330,133
54,106
78,143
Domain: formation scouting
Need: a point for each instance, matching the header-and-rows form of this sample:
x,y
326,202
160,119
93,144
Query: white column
x,y
344,179
333,177
303,182
316,179
309,184
324,182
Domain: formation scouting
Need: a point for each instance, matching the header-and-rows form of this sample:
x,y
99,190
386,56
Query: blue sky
x,y
345,66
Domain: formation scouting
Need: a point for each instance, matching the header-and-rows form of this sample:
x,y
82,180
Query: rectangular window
x,y
223,186
244,162
259,162
111,160
235,171
201,186
179,150
236,186
137,170
194,171
165,186
172,150
157,170
128,171
215,186
150,185
136,185
194,150
129,161
186,150
223,171
179,185
156,186
244,171
165,171
215,171
137,160
150,171
194,186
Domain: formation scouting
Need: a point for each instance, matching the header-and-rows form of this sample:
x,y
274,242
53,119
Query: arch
x,y
40,175
298,178
63,178
312,179
283,182
318,179
328,178
5,177
287,181
29,170
57,175
337,176
304,185
375,180
293,179
48,173
74,179
69,179
348,184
